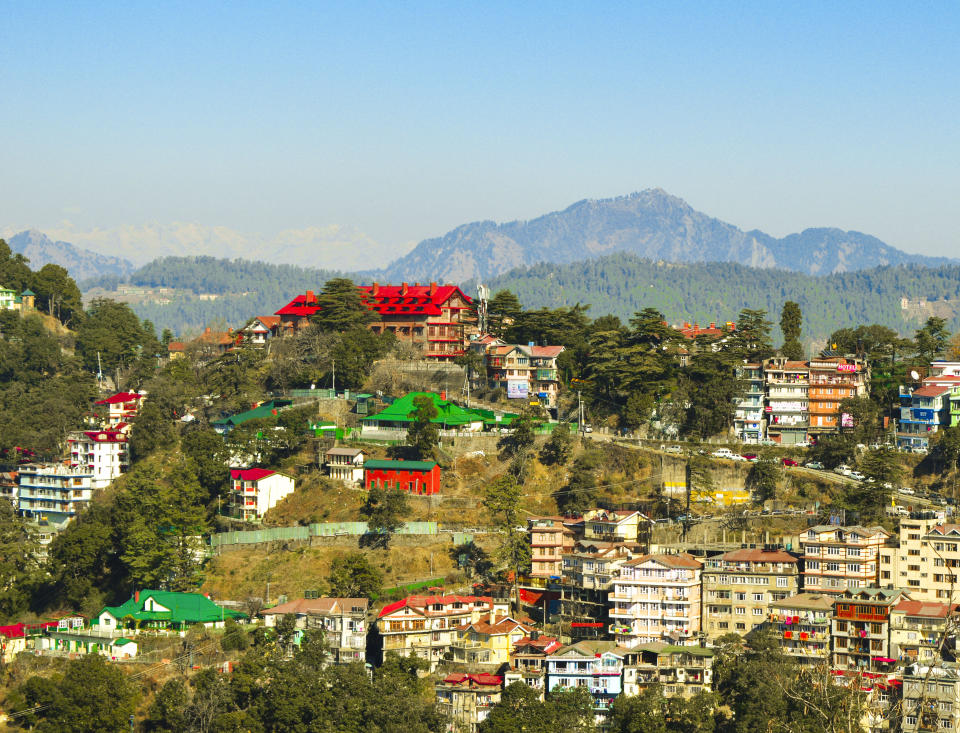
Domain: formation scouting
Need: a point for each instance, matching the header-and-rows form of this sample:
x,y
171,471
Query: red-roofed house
x,y
255,491
528,660
261,329
739,586
712,332
466,699
428,625
118,408
488,640
524,372
104,453
436,319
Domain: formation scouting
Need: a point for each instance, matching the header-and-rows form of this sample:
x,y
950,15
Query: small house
x,y
158,610
415,477
345,464
255,491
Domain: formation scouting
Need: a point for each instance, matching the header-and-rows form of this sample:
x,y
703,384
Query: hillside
x,y
622,284
650,224
81,263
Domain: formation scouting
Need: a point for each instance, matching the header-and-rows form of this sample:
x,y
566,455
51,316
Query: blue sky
x,y
405,120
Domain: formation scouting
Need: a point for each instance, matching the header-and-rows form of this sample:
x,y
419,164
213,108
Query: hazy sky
x,y
406,119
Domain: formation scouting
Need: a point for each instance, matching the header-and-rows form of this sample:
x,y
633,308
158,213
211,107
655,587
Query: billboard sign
x,y
846,367
517,389
846,420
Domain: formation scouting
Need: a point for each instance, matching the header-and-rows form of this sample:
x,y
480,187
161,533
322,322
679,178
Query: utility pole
x,y
334,387
579,414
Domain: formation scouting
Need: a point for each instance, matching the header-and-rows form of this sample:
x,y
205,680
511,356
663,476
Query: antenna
x,y
914,375
99,370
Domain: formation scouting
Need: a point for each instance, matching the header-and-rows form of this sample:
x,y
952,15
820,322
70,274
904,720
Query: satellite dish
x,y
914,374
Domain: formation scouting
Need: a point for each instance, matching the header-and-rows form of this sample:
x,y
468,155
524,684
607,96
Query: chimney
x,y
433,289
534,635
136,596
416,285
375,289
713,324
310,298
207,329
404,288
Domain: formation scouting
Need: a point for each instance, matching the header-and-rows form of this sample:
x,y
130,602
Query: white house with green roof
x,y
157,610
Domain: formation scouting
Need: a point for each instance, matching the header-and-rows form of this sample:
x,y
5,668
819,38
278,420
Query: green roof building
x,y
267,409
158,609
449,415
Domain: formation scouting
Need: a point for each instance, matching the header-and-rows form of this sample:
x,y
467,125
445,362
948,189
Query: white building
x,y
54,491
344,464
117,408
656,598
255,491
104,453
343,621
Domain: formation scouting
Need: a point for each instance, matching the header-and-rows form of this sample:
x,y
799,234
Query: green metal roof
x,y
120,640
263,411
400,465
448,413
185,608
28,291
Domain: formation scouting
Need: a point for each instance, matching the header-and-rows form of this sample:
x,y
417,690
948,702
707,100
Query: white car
x,y
737,457
856,476
723,453
907,490
843,469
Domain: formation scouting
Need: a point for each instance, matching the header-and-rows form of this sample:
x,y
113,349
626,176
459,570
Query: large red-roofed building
x,y
117,408
436,319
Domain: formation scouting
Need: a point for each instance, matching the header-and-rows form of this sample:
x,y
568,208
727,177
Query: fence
x,y
320,529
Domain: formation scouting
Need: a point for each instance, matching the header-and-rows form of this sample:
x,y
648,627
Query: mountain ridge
x,y
82,264
652,224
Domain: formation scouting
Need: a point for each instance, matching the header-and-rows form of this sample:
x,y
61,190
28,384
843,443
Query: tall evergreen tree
x,y
342,306
791,320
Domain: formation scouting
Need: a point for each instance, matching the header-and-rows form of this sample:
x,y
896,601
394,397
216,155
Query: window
x,y
813,564
841,625
758,597
740,611
740,596
783,582
741,627
758,611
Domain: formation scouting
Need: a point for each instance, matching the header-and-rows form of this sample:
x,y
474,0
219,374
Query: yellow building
x,y
488,640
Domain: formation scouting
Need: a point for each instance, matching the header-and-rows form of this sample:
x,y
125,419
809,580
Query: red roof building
x,y
255,491
117,408
466,699
437,319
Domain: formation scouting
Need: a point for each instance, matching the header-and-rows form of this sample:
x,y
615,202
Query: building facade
x,y
595,665
105,453
748,417
926,560
740,586
343,622
54,492
923,412
680,671
931,698
255,491
834,379
802,625
787,409
656,598
524,372
837,558
414,477
343,464
465,699
860,630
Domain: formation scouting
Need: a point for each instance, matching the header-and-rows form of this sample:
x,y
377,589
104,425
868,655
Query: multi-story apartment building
x,y
923,411
860,629
435,319
787,409
54,492
466,699
838,558
428,625
656,598
104,453
927,560
802,624
343,621
931,698
920,630
681,671
612,526
550,538
748,417
596,665
834,379
525,372
740,586
255,491
587,575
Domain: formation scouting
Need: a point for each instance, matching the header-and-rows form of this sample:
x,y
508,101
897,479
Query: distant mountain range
x,y
81,263
650,224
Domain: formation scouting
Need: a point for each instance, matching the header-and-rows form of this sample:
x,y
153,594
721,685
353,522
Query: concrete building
x,y
787,409
428,625
342,620
465,699
528,661
550,538
837,558
656,598
921,630
105,453
926,560
923,412
587,575
748,418
344,464
931,698
832,379
118,408
802,624
681,671
740,586
612,526
596,665
860,630
255,491
488,640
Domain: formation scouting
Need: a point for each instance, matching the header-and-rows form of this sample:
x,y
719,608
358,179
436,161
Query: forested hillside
x,y
623,284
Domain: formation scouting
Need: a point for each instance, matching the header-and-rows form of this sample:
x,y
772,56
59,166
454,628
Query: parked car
x,y
752,457
737,457
789,462
722,453
588,428
843,469
856,476
671,449
907,490
815,465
